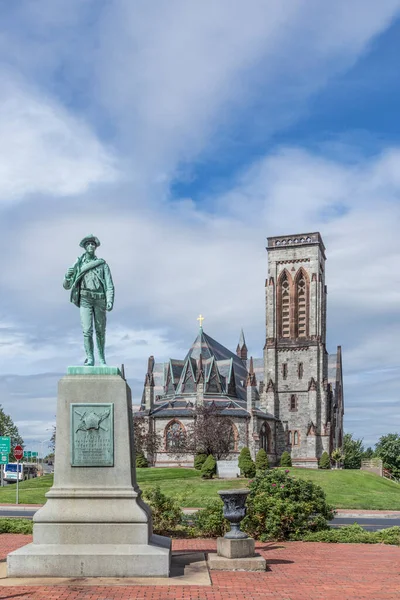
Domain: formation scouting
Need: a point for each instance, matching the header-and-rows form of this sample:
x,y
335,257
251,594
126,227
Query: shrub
x,y
355,534
280,507
248,467
12,525
210,521
209,467
262,463
199,460
324,461
167,513
244,455
286,460
141,460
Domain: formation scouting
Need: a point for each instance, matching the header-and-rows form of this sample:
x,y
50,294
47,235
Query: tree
x,y
209,467
9,429
388,449
248,467
286,460
210,433
324,461
262,463
147,442
199,460
243,457
337,456
353,451
53,440
368,454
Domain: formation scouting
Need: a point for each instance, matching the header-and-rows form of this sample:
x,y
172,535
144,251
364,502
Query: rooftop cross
x,y
200,319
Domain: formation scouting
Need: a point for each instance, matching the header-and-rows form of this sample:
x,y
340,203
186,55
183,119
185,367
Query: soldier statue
x,y
92,289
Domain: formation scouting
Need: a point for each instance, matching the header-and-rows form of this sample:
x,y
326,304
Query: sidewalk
x,y
296,571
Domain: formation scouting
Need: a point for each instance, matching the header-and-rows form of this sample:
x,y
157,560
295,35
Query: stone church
x,y
291,399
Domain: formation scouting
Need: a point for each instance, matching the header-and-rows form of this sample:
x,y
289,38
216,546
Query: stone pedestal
x,y
94,523
236,555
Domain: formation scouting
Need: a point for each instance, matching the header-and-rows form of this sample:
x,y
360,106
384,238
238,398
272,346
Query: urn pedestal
x,y
94,523
235,551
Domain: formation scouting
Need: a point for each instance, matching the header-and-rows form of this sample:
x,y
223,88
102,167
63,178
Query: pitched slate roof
x,y
209,347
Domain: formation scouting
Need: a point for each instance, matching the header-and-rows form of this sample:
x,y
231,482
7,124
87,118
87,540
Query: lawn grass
x,y
343,488
347,488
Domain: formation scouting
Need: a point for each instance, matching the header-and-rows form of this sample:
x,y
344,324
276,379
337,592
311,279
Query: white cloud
x,y
44,148
185,71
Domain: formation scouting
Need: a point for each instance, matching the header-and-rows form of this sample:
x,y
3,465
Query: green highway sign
x,y
34,453
5,445
27,453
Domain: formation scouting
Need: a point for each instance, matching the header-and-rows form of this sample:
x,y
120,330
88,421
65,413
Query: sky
x,y
183,134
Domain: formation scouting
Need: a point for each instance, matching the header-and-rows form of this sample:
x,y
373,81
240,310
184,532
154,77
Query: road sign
x,y
5,445
34,454
3,459
27,453
18,452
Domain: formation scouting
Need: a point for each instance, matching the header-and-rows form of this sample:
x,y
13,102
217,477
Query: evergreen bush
x,y
281,507
243,456
248,467
262,463
13,525
355,534
199,460
286,460
209,467
210,521
166,511
324,461
141,460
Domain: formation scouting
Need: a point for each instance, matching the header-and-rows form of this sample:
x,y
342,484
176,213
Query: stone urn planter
x,y
234,511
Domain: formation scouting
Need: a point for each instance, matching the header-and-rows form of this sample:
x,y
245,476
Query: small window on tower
x,y
289,437
300,370
295,438
293,402
284,370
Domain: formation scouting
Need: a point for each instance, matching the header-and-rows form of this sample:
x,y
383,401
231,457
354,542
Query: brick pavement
x,y
297,571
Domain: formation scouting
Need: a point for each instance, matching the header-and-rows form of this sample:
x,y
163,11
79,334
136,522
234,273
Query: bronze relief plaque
x,y
92,435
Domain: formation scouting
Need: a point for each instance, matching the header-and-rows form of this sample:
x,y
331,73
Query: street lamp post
x,y
42,452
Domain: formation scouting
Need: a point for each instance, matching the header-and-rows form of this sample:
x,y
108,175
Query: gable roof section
x,y
209,347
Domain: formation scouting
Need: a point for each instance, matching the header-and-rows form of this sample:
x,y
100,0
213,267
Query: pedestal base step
x,y
92,560
220,563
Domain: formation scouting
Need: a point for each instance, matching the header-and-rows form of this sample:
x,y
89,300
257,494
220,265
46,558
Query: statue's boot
x,y
100,348
88,345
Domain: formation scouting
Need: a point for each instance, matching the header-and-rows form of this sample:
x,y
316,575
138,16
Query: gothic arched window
x,y
293,402
301,306
295,438
175,433
265,437
285,305
289,437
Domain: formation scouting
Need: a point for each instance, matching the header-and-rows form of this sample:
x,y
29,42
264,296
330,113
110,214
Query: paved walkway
x,y
297,571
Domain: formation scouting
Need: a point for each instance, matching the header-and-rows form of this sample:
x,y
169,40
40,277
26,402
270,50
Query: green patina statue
x,y
92,289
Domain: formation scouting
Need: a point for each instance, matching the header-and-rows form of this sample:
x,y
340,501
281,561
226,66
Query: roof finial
x,y
200,319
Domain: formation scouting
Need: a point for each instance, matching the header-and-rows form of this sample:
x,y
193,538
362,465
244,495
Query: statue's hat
x,y
90,238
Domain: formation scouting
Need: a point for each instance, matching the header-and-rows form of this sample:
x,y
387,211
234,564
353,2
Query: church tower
x,y
295,357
